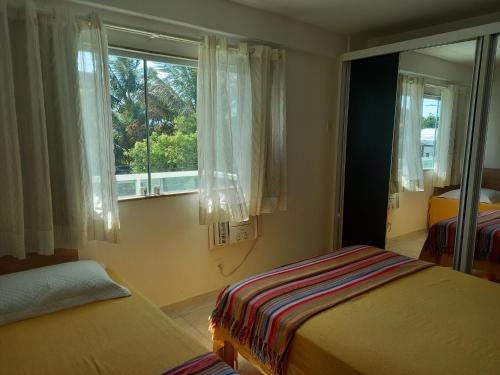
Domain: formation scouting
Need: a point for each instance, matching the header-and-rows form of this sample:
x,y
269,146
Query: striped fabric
x,y
206,364
264,311
441,238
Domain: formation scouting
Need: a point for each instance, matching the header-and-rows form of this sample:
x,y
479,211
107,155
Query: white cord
x,y
221,268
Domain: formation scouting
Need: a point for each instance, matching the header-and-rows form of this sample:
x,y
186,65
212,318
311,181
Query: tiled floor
x,y
192,315
409,244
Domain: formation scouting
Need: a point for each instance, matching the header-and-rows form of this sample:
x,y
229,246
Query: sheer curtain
x,y
47,138
450,136
224,121
95,101
268,174
241,131
407,172
445,138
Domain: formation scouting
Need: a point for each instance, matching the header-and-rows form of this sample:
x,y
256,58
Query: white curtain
x,y
445,138
95,101
450,136
241,131
407,171
54,197
268,173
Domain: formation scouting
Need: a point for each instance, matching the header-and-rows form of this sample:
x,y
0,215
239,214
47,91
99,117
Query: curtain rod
x,y
172,37
441,82
151,35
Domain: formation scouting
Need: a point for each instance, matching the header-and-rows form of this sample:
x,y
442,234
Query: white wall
x,y
163,250
197,17
435,67
411,216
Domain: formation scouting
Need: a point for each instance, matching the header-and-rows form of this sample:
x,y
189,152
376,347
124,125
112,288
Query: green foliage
x,y
168,153
185,124
430,122
171,115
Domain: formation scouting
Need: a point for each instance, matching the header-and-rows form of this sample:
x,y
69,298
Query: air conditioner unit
x,y
231,232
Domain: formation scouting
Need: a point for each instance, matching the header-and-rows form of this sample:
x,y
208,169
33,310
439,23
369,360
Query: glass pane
x,y
172,126
487,252
129,124
428,150
430,114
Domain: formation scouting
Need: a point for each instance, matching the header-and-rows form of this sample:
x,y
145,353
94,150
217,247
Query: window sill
x,y
163,195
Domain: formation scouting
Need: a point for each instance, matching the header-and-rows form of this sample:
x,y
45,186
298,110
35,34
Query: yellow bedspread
x,y
444,208
436,321
123,336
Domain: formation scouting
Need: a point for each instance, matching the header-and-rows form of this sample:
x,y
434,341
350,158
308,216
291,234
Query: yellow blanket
x,y
436,321
444,208
123,336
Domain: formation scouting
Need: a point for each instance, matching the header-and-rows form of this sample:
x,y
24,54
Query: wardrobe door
x,y
486,258
370,126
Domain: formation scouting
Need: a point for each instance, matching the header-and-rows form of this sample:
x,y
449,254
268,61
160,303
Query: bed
x,y
439,246
444,208
434,321
127,335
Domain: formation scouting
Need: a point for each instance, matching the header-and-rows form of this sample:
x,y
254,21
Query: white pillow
x,y
44,290
452,194
487,195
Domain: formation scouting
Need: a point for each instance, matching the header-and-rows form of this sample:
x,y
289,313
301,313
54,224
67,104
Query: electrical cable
x,y
221,268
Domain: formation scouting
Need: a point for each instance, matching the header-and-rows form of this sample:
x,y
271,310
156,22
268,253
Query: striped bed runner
x,y
206,364
264,311
441,237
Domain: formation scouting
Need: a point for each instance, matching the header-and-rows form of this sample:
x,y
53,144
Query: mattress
x,y
435,321
122,336
444,208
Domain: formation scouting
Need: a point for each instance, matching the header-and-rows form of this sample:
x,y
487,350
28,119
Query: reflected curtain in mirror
x,y
406,171
450,136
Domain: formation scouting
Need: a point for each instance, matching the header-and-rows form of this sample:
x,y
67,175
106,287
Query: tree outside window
x,y
162,152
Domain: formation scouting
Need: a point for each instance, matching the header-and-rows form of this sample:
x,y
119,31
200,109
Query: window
x,y
154,124
430,123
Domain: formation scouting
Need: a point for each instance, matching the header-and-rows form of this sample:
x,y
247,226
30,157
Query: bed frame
x,y
491,180
9,264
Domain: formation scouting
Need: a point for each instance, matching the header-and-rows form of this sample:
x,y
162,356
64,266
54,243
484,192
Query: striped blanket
x,y
206,364
264,311
441,237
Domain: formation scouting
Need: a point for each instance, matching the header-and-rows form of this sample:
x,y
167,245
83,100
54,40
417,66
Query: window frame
x,y
130,52
432,91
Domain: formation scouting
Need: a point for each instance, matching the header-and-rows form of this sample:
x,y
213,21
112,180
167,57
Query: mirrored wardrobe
x,y
421,167
486,261
429,145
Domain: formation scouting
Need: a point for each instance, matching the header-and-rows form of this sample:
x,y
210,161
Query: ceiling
x,y
357,16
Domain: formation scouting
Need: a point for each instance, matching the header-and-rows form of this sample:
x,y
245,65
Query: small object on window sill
x,y
145,192
157,190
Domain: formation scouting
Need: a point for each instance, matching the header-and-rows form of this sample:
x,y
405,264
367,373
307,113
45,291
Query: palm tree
x,y
183,79
171,93
127,103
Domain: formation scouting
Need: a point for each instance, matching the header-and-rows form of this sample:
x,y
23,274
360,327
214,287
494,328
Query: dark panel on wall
x,y
372,105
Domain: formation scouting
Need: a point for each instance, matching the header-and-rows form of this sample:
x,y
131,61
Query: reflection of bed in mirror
x,y
441,208
442,215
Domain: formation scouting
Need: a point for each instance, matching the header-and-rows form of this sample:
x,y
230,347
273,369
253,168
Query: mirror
x,y
428,150
487,251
